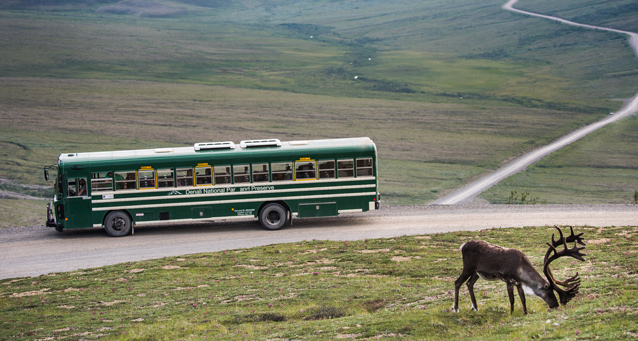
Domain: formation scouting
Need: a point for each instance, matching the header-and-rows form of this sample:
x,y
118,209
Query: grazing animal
x,y
492,262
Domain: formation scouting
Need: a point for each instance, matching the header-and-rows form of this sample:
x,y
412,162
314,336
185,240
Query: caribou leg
x,y
521,294
457,286
470,288
510,294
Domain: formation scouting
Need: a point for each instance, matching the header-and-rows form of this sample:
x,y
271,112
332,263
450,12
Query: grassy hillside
x,y
448,90
396,288
601,168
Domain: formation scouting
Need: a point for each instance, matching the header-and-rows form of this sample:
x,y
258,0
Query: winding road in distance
x,y
475,188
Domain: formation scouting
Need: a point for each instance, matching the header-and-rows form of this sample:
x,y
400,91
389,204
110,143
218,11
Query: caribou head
x,y
492,262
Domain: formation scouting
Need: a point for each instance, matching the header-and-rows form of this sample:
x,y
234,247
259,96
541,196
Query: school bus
x,y
267,180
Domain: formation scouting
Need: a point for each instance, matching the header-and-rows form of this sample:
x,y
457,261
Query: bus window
x,y
165,178
146,179
222,175
124,180
345,168
364,167
102,181
327,169
260,172
281,171
241,173
184,177
204,176
305,170
76,187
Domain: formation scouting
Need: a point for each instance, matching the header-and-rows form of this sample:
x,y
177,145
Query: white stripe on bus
x,y
256,184
181,204
185,196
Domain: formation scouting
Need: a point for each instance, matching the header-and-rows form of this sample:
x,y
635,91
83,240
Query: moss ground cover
x,y
387,288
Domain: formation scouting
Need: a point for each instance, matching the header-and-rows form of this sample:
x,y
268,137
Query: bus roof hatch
x,y
260,143
214,145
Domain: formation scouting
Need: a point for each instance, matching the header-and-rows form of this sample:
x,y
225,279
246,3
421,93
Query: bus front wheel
x,y
273,216
118,224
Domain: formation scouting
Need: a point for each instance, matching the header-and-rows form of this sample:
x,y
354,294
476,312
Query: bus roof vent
x,y
163,150
260,143
214,145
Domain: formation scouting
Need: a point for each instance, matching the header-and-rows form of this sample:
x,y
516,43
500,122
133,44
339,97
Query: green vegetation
x,y
525,198
447,90
22,212
388,288
614,14
600,168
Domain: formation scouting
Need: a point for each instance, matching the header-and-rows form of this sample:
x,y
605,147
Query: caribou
x,y
492,262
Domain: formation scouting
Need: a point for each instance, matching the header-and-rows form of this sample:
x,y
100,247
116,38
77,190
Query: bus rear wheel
x,y
273,216
118,224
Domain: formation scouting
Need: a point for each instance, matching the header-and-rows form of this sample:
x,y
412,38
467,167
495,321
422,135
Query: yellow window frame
x,y
139,180
304,160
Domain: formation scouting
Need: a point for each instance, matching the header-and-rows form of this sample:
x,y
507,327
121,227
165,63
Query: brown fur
x,y
492,262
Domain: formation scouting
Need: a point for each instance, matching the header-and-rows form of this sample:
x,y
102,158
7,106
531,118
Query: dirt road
x,y
34,251
475,188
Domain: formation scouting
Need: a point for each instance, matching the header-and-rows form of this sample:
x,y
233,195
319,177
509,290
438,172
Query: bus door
x,y
78,206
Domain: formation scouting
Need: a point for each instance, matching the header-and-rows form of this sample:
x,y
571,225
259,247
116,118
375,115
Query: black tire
x,y
118,224
273,216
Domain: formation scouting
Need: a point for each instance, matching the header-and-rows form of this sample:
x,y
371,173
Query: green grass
x,y
16,212
616,14
392,288
601,168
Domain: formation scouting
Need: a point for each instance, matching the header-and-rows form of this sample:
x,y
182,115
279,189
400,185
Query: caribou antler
x,y
572,238
561,241
572,284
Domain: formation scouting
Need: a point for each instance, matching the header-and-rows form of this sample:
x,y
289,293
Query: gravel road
x,y
467,193
37,250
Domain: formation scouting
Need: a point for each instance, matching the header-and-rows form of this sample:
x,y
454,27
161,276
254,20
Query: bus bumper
x,y
51,221
373,205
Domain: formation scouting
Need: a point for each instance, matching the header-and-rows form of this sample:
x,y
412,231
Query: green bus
x,y
269,180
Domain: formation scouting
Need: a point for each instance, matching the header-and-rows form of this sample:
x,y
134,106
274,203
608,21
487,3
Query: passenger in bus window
x,y
130,177
72,188
302,172
184,177
204,179
242,174
82,188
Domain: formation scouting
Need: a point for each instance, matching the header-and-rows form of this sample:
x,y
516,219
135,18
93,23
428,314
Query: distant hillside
x,y
50,4
432,48
146,8
448,89
434,25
